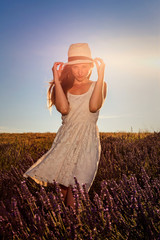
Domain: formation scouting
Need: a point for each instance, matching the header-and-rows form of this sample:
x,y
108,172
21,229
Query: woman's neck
x,y
80,82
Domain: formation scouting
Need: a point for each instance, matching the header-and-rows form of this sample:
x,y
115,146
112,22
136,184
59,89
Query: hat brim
x,y
78,61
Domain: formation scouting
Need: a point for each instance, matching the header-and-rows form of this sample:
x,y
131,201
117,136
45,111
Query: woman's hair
x,y
66,80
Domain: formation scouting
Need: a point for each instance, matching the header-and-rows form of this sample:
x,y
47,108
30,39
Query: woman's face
x,y
81,71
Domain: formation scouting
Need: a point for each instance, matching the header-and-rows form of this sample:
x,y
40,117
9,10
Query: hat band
x,y
70,59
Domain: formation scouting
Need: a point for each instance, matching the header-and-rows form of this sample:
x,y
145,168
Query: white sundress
x,y
76,148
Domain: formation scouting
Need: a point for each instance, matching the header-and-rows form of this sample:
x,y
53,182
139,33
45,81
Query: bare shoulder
x,y
91,81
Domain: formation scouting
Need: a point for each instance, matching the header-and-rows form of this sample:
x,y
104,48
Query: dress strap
x,y
93,85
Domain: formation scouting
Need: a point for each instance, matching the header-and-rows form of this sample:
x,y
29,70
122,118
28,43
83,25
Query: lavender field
x,y
123,202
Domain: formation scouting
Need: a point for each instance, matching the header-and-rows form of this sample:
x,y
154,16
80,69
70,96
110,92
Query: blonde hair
x,y
66,80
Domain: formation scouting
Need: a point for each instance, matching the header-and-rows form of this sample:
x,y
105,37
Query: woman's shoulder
x,y
92,82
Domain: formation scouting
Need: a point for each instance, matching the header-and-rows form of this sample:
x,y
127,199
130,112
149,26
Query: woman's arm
x,y
61,101
100,89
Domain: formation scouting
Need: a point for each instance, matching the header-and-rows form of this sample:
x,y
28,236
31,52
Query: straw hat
x,y
79,53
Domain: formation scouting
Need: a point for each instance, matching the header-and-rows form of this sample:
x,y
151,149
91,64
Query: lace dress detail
x,y
76,148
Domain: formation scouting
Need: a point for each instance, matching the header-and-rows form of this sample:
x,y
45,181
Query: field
x,y
123,202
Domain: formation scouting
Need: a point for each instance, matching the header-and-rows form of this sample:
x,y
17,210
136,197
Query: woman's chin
x,y
80,79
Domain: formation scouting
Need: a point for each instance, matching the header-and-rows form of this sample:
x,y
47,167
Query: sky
x,y
125,34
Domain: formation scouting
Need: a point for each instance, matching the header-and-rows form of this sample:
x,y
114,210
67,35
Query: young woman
x,y
76,149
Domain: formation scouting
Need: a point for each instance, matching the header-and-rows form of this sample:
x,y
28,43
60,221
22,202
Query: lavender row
x,y
121,211
123,202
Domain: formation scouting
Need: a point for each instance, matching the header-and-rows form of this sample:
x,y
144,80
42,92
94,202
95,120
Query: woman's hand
x,y
57,72
100,68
